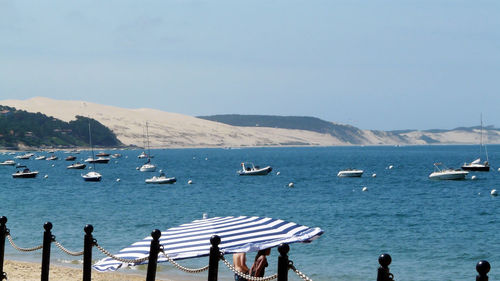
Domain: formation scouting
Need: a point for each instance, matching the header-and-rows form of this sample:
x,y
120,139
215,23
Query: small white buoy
x,y
53,165
206,158
494,192
137,168
205,216
46,176
499,169
116,161
374,175
473,178
117,180
390,167
161,171
90,167
290,184
190,181
126,157
365,188
278,173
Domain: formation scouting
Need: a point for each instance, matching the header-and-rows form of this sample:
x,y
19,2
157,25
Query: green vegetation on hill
x,y
19,127
344,133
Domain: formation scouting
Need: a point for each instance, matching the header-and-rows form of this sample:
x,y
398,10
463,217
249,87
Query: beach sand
x,y
26,271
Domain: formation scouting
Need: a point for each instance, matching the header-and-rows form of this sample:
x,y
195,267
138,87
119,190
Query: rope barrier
x,y
246,276
118,258
178,266
75,254
22,249
300,274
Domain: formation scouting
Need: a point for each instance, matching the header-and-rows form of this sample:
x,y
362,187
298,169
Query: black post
x,y
483,267
383,271
283,262
88,243
47,240
3,233
213,262
154,249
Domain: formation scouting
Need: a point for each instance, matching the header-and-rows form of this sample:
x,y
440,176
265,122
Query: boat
x,y
8,163
92,175
142,155
476,165
26,173
102,154
98,160
148,166
77,165
52,157
25,156
70,158
350,173
443,173
162,179
249,169
116,155
41,157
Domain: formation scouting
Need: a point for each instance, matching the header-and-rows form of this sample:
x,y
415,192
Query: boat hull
x,y
256,172
459,175
350,174
25,175
92,176
147,168
476,168
161,180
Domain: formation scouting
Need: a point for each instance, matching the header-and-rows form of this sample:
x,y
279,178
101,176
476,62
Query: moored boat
x,y
350,173
443,173
162,179
8,163
26,173
92,176
249,169
77,166
70,158
476,165
98,160
52,157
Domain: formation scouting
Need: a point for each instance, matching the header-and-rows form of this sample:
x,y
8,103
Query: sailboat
x,y
148,166
476,165
92,175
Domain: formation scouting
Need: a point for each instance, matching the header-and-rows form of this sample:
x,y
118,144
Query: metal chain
x,y
66,250
246,276
22,249
118,258
185,269
300,274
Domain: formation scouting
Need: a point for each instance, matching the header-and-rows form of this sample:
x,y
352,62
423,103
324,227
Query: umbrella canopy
x,y
238,234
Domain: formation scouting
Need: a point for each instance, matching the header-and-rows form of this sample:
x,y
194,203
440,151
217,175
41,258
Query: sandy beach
x,y
27,271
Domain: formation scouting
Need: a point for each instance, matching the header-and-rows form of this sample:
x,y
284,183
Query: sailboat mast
x,y
91,146
147,140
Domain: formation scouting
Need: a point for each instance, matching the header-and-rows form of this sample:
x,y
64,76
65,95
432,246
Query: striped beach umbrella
x,y
238,234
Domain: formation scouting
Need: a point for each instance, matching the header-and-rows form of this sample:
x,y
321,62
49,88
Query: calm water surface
x,y
434,230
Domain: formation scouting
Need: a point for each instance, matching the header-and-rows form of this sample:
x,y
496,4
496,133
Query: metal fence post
x,y
283,262
213,262
383,271
47,240
88,243
3,233
482,267
154,249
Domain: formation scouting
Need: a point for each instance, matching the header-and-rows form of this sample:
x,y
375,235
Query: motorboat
x,y
8,163
52,157
77,166
477,166
92,176
249,169
70,158
41,157
162,179
116,155
148,167
24,156
142,155
350,173
98,160
443,173
26,173
102,154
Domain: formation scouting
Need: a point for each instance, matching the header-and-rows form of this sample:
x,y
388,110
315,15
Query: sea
x,y
433,230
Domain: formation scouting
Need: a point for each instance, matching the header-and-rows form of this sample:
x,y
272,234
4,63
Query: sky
x,y
373,64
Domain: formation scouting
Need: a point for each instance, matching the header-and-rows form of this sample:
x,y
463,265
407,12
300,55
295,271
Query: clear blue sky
x,y
372,64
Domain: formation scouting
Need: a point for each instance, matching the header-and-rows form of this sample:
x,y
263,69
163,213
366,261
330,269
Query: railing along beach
x,y
284,265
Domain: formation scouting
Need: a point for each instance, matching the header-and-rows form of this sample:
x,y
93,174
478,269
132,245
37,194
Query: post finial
x,y
47,226
283,249
88,229
215,240
384,260
483,267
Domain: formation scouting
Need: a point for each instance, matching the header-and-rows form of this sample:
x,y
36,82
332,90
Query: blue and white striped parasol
x,y
238,234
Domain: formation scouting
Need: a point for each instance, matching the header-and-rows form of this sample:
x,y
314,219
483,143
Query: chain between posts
x,y
22,249
118,258
246,276
300,274
180,267
75,254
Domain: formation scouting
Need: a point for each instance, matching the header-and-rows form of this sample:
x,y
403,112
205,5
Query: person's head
x,y
265,252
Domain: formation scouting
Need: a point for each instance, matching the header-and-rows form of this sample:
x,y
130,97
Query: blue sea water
x,y
434,230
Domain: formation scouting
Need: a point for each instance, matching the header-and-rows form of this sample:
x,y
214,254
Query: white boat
x,y
26,173
148,166
41,157
476,165
99,160
8,163
162,179
92,175
52,157
25,156
77,166
443,173
350,173
142,155
249,169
